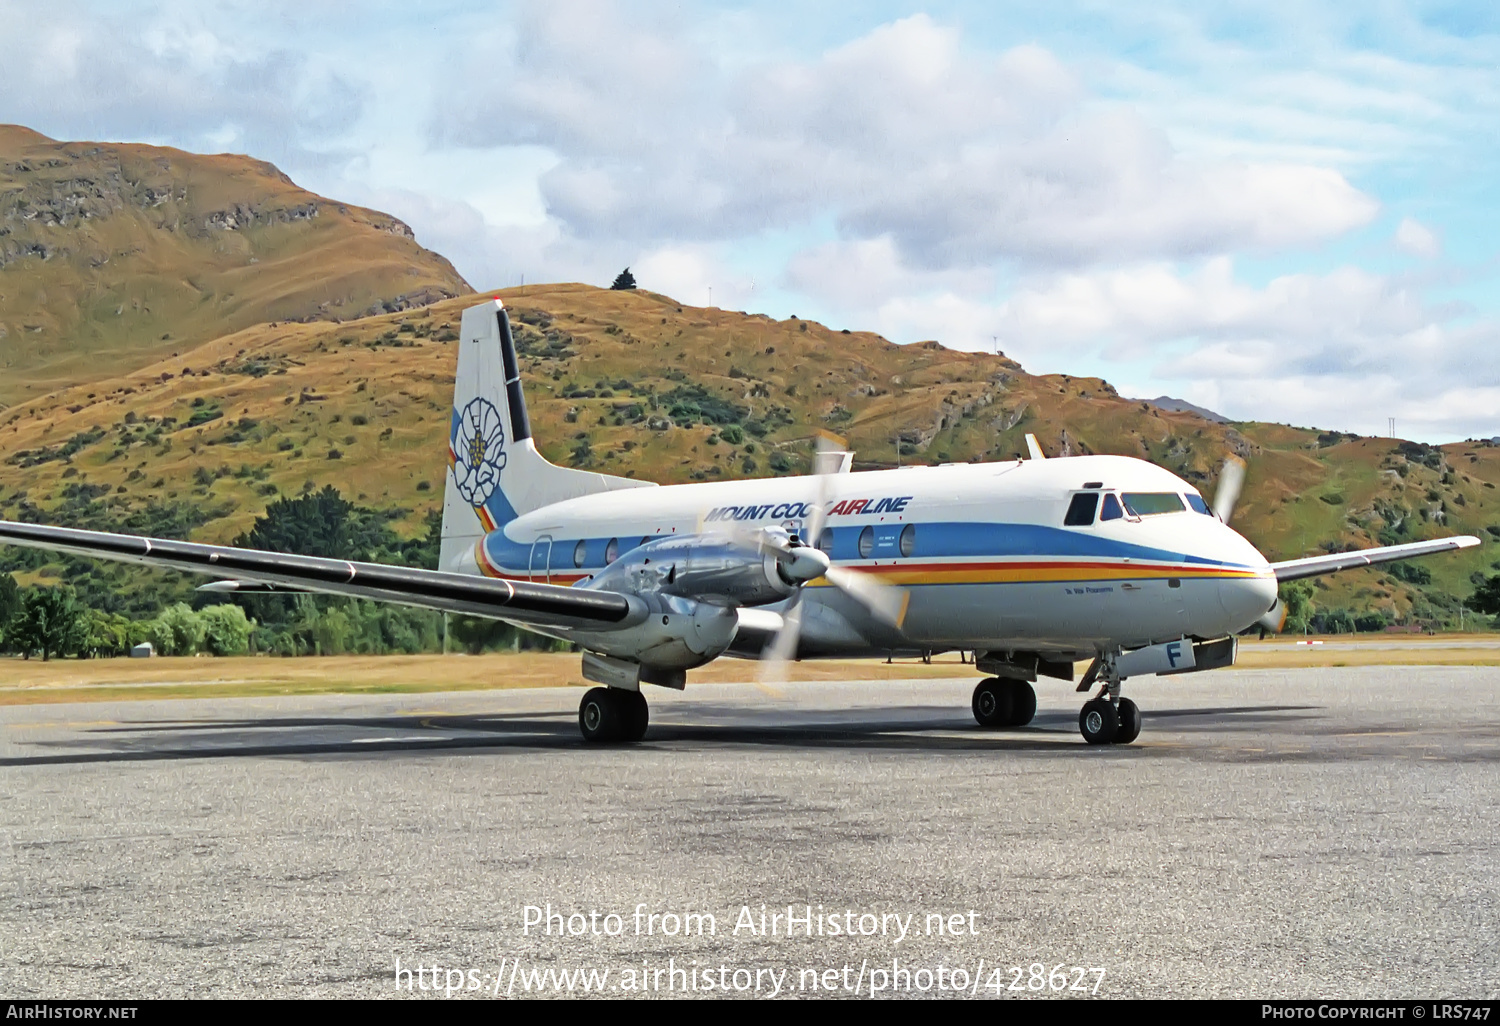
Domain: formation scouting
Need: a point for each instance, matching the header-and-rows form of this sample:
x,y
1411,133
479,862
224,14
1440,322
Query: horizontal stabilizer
x,y
247,588
1293,569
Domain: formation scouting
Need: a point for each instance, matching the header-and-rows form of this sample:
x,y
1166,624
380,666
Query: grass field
x,y
35,682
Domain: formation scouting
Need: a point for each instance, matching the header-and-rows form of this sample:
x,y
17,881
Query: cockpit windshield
x,y
1198,505
1150,504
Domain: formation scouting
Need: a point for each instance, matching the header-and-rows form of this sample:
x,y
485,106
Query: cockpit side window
x,y
1111,510
1081,510
1198,505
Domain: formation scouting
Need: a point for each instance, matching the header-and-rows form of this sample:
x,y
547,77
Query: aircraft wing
x,y
517,601
1293,569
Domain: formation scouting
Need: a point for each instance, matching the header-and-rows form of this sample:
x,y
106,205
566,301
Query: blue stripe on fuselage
x,y
933,541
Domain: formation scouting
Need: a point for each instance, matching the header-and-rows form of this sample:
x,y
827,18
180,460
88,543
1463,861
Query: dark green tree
x,y
1298,599
1487,598
624,280
50,622
317,524
10,600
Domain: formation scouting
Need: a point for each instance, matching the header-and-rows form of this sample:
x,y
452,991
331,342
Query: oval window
x,y
612,550
825,540
866,542
580,552
908,539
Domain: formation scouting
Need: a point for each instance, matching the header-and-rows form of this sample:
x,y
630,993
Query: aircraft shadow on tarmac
x,y
910,729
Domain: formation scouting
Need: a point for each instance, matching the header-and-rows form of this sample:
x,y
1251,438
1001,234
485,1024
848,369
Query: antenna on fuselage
x,y
1035,448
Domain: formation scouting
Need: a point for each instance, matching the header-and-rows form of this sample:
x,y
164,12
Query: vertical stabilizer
x,y
495,473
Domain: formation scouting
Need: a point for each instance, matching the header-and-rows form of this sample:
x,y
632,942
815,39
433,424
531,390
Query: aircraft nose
x,y
1246,599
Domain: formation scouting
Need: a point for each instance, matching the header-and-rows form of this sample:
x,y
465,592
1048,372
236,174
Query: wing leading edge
x,y
519,601
1294,569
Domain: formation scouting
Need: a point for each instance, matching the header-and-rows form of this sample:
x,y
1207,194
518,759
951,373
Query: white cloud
x,y
76,71
696,275
1343,349
960,159
1415,238
865,274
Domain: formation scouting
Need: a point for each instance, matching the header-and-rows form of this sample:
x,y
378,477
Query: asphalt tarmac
x,y
1274,834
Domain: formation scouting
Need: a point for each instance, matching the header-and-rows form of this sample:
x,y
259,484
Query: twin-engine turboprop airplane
x,y
1034,565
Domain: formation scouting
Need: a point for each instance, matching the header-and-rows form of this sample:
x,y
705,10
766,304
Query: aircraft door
x,y
541,558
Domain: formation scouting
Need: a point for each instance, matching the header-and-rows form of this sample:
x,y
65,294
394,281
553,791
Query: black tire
x,y
992,703
1130,722
1098,722
1022,703
637,714
599,716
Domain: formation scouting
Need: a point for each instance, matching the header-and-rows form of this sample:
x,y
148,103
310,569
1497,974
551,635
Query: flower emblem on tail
x,y
478,452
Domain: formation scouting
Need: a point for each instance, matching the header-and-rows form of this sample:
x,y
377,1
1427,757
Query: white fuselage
x,y
982,549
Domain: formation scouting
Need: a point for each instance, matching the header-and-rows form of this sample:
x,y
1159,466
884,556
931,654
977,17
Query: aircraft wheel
x,y
1022,703
1098,722
1130,722
992,703
600,717
636,714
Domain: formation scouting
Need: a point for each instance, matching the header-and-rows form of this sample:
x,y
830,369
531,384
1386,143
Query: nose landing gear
x,y
1107,718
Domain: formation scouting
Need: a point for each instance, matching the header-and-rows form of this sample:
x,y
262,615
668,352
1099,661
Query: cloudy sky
x,y
1282,211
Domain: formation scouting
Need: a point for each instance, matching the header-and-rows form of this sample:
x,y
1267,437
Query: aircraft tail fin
x,y
495,473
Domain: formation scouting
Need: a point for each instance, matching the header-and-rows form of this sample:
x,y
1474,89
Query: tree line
x,y
47,621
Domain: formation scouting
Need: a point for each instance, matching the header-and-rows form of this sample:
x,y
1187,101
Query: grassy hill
x,y
635,383
113,257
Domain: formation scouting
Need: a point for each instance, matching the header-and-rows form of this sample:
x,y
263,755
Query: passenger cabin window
x,y
580,552
1150,504
1081,510
866,542
1198,505
908,539
612,550
1111,510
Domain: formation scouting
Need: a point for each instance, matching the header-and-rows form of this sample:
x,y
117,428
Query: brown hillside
x,y
115,256
626,382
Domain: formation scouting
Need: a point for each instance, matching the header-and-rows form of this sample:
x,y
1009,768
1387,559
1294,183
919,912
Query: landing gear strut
x,y
1002,702
609,715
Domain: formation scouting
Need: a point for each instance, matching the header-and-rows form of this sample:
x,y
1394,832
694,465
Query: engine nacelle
x,y
673,634
720,570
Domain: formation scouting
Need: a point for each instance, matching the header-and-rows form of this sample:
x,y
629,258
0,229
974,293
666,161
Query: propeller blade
x,y
886,602
783,647
1228,492
829,457
1275,618
806,561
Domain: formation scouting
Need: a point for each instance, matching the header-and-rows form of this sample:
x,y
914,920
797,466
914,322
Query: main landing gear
x,y
1003,702
608,715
